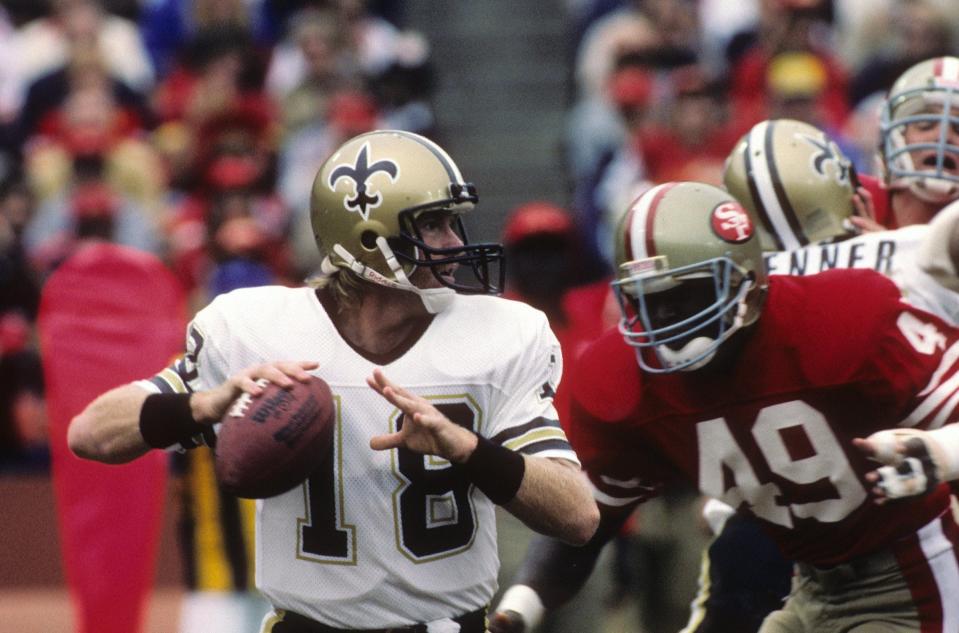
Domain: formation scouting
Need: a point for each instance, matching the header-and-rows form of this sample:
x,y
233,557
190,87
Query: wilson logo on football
x,y
731,223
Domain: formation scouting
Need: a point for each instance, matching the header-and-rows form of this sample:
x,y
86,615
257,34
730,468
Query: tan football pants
x,y
867,596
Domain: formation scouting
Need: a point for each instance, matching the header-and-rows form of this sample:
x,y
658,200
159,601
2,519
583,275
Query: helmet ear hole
x,y
368,240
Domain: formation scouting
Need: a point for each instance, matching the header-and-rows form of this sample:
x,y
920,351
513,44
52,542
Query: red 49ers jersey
x,y
834,356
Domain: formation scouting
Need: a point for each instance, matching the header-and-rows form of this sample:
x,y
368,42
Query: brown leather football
x,y
269,444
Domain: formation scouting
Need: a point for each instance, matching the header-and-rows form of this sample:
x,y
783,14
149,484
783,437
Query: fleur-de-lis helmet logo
x,y
829,152
363,199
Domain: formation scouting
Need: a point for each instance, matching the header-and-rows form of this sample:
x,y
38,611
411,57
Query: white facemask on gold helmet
x,y
364,203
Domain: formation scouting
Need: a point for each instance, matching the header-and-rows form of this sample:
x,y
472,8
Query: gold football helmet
x,y
690,273
795,181
365,199
925,96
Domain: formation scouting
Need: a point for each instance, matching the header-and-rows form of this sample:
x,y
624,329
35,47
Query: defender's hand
x,y
909,463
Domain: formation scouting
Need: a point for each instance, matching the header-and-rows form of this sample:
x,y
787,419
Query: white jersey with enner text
x,y
390,538
883,251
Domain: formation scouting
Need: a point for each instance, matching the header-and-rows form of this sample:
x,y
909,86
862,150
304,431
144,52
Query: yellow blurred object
x,y
796,75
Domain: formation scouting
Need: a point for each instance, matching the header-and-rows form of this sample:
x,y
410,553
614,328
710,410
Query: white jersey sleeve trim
x,y
615,502
938,392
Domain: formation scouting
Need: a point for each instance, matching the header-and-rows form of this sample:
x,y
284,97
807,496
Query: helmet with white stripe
x,y
690,274
795,181
366,199
919,118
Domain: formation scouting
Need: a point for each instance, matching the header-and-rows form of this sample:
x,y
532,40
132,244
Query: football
x,y
269,444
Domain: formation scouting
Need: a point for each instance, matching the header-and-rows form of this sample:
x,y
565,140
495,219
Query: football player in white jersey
x,y
398,532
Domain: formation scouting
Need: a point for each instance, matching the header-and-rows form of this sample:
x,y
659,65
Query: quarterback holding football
x,y
396,528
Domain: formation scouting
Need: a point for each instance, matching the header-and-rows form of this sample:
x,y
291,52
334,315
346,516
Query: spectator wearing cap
x,y
550,269
786,27
798,88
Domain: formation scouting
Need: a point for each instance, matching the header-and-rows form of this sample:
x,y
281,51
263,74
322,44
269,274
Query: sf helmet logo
x,y
363,200
731,223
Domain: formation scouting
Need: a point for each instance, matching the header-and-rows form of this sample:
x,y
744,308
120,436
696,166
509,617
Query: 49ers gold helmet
x,y
365,199
795,181
690,273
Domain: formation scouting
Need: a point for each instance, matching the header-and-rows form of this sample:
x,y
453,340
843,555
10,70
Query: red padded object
x,y
108,315
270,443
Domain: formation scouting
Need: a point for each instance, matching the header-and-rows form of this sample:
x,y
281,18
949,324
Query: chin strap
x,y
435,300
934,189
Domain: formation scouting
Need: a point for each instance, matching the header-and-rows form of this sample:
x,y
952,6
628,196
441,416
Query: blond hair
x,y
342,283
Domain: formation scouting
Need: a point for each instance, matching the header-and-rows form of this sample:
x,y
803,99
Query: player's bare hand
x,y
422,428
865,207
209,406
506,622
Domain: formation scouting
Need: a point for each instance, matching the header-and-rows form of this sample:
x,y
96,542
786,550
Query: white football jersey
x,y
924,291
894,253
387,538
930,280
884,251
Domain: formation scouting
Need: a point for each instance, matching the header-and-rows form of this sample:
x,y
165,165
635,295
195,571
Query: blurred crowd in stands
x,y
193,128
662,89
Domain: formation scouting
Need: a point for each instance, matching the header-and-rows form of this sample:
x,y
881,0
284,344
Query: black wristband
x,y
166,419
495,470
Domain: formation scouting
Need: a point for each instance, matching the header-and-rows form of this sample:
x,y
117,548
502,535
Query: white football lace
x,y
240,405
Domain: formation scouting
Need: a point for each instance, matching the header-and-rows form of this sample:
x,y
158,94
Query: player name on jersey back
x,y
883,251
